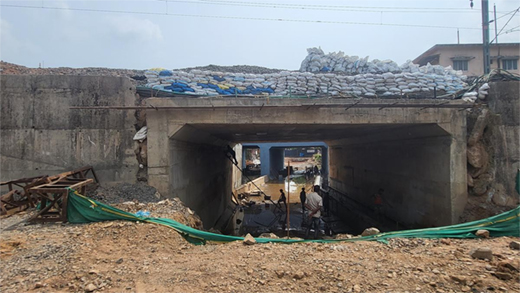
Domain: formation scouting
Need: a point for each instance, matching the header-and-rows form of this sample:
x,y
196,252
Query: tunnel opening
x,y
410,162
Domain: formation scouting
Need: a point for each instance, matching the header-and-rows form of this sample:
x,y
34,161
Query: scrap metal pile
x,y
49,194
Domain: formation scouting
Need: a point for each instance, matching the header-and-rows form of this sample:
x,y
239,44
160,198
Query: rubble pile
x,y
123,192
10,68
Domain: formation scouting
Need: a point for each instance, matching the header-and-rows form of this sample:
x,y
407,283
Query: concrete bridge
x,y
414,149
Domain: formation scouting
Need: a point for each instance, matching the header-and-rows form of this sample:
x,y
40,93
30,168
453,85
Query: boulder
x,y
481,184
370,232
477,155
478,128
500,197
482,253
482,233
249,240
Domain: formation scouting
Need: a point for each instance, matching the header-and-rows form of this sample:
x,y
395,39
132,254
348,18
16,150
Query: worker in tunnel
x,y
377,199
314,203
303,198
282,199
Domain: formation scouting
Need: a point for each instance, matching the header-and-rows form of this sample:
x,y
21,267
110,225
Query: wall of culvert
x,y
40,135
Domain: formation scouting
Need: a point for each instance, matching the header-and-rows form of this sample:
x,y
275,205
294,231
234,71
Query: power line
x,y
239,17
518,9
326,7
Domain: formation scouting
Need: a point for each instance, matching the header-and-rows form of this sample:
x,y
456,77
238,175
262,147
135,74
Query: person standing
x,y
282,199
314,203
303,198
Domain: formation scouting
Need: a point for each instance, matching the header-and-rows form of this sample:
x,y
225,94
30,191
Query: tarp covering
x,y
81,209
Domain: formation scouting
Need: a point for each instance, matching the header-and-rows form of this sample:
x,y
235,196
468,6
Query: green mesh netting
x,y
81,209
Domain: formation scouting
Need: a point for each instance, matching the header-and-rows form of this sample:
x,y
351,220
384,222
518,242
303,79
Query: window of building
x,y
510,64
460,65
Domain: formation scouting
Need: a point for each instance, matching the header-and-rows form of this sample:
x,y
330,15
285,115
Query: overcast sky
x,y
176,34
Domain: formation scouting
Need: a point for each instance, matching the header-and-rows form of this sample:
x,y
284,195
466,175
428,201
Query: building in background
x,y
469,57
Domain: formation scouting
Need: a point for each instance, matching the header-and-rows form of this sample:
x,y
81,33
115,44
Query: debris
x,y
119,261
143,214
249,240
482,253
502,275
445,241
482,233
90,287
514,245
299,275
370,232
38,285
141,134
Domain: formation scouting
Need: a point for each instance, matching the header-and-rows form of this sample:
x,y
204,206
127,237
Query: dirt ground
x,y
122,256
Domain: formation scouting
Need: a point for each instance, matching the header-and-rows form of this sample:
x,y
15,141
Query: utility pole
x,y
485,35
496,35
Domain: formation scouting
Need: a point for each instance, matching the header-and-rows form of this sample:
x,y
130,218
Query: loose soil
x,y
122,256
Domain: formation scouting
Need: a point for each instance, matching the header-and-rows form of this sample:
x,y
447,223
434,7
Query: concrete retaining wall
x,y
41,135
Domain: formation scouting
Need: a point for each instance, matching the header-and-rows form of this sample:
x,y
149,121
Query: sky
x,y
270,33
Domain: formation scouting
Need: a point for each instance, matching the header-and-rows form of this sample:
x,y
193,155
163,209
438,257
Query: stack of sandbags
x,y
318,61
388,84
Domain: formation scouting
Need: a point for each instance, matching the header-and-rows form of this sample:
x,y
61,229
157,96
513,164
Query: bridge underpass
x,y
416,154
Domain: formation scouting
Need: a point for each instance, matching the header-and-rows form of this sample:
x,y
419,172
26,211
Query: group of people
x,y
312,204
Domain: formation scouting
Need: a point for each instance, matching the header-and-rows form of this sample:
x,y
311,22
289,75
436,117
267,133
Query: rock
x,y
93,272
482,233
90,287
343,236
279,273
465,289
482,253
445,241
514,245
500,197
249,240
119,261
459,279
470,181
481,184
477,155
370,232
478,127
509,265
436,271
38,285
299,275
502,275
356,288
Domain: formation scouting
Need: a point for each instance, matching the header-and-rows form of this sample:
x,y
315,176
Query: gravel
x,y
126,192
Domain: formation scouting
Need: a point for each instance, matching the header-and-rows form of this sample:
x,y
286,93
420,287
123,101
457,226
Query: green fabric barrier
x,y
81,209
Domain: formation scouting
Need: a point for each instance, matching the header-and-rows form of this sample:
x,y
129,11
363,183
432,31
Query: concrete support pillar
x,y
276,161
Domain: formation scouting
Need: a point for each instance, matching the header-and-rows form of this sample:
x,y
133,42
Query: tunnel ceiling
x,y
309,132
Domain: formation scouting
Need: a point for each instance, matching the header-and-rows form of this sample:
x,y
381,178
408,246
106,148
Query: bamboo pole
x,y
288,197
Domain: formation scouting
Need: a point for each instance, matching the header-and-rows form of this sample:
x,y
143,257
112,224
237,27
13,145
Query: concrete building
x,y
468,57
